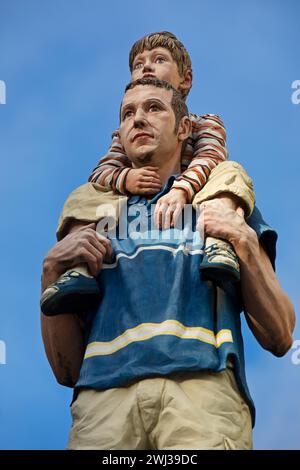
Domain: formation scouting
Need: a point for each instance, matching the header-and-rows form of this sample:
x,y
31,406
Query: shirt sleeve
x,y
204,150
113,168
266,235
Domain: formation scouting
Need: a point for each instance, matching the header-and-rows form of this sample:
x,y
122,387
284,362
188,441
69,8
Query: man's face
x,y
157,63
148,124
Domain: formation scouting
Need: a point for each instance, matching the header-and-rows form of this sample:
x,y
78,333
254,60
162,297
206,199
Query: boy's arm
x,y
115,172
203,152
112,170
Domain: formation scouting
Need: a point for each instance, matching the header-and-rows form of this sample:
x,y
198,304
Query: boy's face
x,y
157,63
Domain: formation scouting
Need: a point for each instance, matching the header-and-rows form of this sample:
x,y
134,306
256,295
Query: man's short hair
x,y
168,41
177,102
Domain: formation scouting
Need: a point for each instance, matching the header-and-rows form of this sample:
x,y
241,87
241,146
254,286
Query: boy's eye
x,y
138,65
160,60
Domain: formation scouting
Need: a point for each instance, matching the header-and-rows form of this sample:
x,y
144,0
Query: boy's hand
x,y
144,180
168,208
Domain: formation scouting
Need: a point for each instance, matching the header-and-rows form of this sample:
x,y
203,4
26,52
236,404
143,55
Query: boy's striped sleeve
x,y
112,169
205,149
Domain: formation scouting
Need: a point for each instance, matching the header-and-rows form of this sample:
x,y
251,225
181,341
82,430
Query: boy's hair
x,y
168,41
177,102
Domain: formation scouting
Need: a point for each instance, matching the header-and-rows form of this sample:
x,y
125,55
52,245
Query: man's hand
x,y
144,180
84,245
63,334
218,220
168,208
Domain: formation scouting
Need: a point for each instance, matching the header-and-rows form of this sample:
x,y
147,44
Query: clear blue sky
x,y
65,67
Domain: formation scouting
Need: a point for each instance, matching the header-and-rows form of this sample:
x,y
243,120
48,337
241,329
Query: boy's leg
x,y
230,183
77,291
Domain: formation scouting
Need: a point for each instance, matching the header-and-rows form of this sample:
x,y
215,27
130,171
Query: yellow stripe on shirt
x,y
146,331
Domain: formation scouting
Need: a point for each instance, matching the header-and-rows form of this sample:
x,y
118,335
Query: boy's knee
x,y
229,178
229,166
231,173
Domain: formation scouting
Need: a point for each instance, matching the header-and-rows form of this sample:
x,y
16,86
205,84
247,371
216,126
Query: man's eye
x,y
154,107
127,114
138,65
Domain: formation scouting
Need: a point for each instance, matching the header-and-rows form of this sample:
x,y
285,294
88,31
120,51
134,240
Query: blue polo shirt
x,y
157,314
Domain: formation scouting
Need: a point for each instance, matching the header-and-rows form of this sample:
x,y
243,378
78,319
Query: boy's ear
x,y
186,82
184,128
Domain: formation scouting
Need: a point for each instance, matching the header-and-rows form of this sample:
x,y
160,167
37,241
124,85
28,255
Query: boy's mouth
x,y
149,75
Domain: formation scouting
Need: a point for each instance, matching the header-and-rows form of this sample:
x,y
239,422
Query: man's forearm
x,y
63,338
269,312
63,334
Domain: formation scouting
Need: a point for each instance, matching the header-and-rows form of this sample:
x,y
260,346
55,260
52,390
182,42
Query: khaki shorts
x,y
201,410
92,202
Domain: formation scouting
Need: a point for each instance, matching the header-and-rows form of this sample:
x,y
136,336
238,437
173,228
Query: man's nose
x,y
140,118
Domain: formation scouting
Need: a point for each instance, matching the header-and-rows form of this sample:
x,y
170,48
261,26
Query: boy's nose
x,y
148,67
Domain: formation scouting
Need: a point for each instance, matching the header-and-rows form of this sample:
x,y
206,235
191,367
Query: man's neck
x,y
167,169
168,165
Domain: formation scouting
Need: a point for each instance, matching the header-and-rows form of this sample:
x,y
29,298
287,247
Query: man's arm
x,y
63,334
269,312
62,337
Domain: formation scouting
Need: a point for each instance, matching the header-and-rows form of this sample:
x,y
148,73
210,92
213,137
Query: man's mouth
x,y
140,135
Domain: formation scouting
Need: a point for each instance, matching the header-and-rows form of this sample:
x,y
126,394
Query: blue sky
x,y
65,65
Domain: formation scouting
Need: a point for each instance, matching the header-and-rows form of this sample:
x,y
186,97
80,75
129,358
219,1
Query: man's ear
x,y
186,82
184,128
